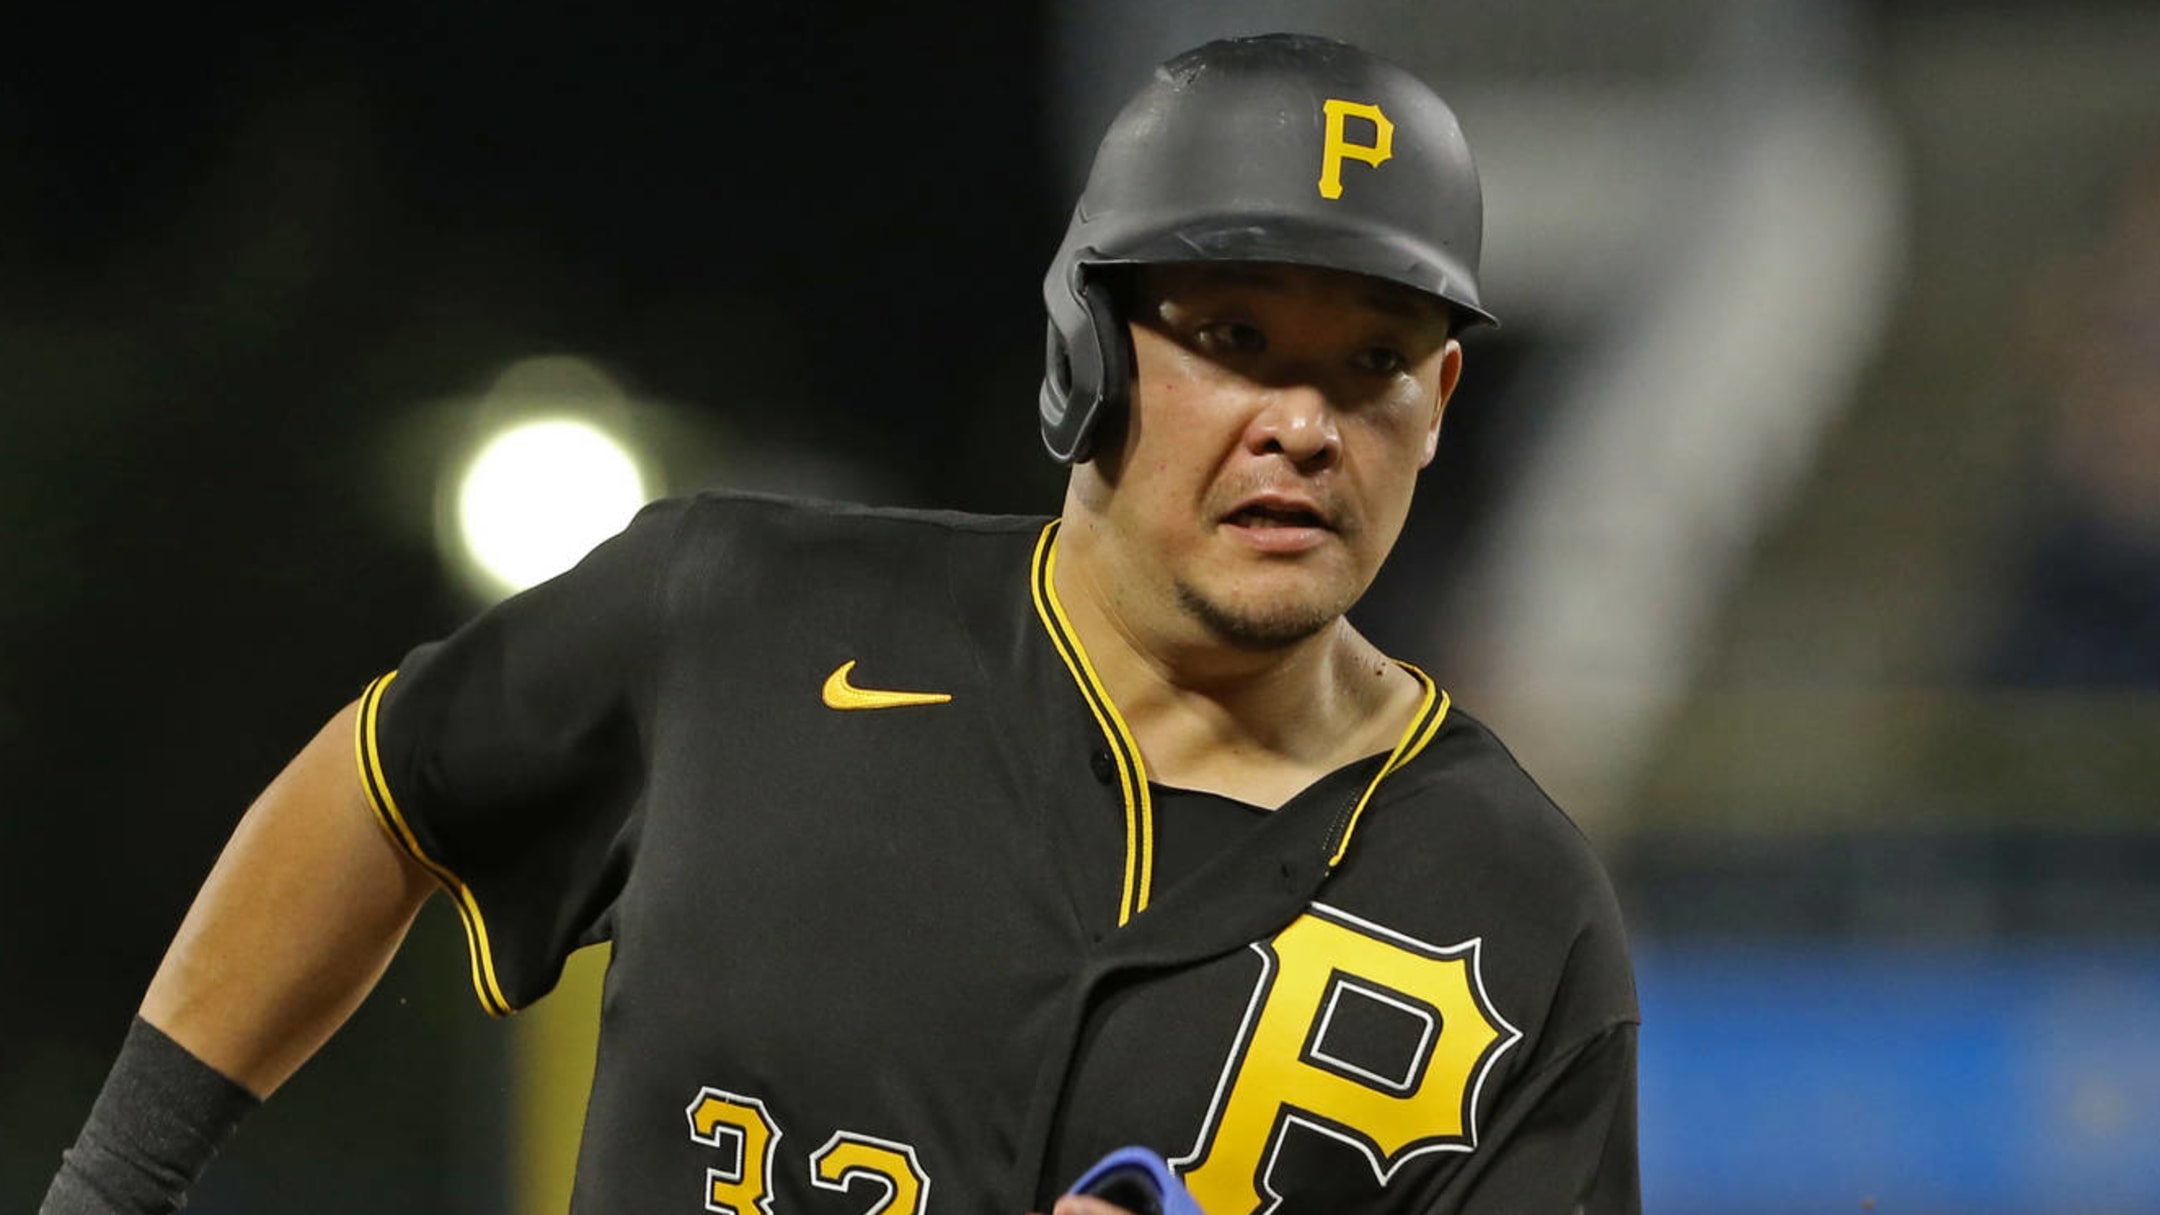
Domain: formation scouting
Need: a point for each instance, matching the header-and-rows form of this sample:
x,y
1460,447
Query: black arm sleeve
x,y
156,1124
510,757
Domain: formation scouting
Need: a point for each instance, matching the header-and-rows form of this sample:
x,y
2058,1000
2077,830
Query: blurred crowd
x,y
2084,606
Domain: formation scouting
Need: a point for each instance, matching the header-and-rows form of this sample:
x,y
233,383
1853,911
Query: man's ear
x,y
1450,375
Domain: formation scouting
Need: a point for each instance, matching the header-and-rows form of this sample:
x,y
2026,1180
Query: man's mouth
x,y
1267,514
1279,511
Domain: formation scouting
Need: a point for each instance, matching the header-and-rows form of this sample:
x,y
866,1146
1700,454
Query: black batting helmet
x,y
1281,148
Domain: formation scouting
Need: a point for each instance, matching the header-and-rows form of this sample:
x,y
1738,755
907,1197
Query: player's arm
x,y
299,917
296,922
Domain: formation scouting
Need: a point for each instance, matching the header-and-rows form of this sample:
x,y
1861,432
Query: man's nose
x,y
1297,422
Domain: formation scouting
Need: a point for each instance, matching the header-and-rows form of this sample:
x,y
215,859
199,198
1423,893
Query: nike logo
x,y
840,694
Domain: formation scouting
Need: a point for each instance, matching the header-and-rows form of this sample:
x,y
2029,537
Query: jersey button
x,y
1099,761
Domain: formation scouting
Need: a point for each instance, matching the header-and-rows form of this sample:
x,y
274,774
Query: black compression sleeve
x,y
161,1116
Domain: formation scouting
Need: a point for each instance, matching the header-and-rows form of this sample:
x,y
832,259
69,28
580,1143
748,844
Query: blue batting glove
x,y
1138,1180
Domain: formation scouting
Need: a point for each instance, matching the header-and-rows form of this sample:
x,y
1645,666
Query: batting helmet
x,y
1281,148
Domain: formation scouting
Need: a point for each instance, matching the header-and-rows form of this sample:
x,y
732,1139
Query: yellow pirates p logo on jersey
x,y
1337,146
1357,1033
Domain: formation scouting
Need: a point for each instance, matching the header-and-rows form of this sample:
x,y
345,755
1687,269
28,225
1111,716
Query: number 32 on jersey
x,y
1355,1032
741,1127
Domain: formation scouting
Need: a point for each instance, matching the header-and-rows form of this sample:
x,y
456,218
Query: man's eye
x,y
1380,360
1231,337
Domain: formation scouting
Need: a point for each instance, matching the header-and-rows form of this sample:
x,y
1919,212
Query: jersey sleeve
x,y
1567,1141
1563,1135
508,758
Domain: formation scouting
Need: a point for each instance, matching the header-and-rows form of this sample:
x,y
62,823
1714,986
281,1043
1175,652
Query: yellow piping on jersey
x,y
1132,771
1423,725
386,812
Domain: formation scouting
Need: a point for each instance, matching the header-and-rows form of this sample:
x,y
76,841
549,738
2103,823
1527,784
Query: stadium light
x,y
540,494
552,474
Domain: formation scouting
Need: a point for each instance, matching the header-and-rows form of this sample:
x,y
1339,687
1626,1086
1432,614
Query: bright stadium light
x,y
540,494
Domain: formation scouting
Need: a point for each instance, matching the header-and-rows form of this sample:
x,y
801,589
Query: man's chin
x,y
1257,627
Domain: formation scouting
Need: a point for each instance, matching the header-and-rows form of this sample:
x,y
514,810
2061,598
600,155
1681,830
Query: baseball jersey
x,y
878,859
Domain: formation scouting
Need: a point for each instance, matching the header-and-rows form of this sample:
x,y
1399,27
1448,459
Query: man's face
x,y
1280,417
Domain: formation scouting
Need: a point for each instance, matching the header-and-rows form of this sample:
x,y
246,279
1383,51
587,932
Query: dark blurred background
x,y
1801,529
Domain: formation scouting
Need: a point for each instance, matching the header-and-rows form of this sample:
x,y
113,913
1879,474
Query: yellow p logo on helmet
x,y
1336,148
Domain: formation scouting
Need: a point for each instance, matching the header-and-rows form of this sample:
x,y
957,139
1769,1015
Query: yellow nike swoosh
x,y
840,694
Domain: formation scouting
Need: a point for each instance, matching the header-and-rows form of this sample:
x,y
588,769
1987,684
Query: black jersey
x,y
876,856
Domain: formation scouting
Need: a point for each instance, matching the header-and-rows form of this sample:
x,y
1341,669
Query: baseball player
x,y
942,855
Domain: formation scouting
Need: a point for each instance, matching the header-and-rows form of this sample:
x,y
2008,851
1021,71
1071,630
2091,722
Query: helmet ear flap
x,y
1087,373
1114,355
